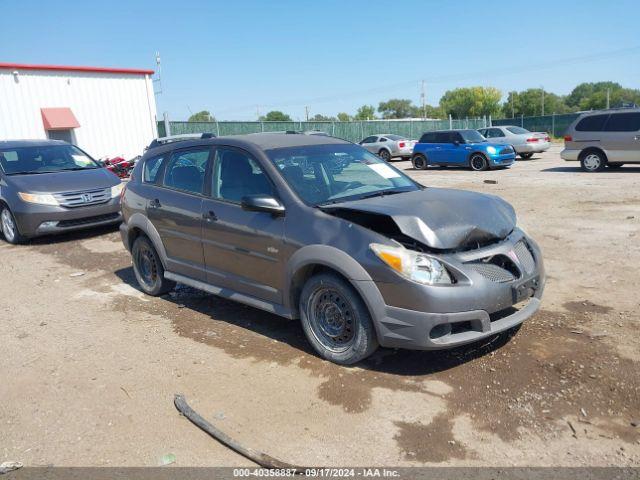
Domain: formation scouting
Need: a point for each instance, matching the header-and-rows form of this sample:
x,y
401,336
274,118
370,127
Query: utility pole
x,y
542,101
258,112
423,101
513,107
306,113
607,99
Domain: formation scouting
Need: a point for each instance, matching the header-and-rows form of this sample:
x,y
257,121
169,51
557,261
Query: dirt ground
x,y
90,365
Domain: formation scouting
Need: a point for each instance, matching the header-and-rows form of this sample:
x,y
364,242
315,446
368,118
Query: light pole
x,y
542,101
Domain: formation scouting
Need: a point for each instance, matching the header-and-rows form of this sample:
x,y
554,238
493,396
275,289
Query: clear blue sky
x,y
334,55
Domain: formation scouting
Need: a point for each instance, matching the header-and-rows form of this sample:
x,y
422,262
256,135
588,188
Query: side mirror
x,y
262,203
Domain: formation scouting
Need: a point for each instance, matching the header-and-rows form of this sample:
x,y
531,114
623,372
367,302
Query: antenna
x,y
158,79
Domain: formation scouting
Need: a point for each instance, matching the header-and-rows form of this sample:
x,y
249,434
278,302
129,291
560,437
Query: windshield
x,y
517,130
323,174
472,136
44,159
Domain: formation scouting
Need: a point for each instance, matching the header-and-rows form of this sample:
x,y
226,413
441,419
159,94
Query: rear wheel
x,y
9,227
420,162
526,156
384,154
593,161
148,268
335,320
478,162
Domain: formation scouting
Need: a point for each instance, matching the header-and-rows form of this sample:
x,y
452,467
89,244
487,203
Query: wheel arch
x,y
477,152
592,148
138,225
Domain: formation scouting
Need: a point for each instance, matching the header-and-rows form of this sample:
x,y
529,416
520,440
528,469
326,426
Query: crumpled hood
x,y
443,218
70,181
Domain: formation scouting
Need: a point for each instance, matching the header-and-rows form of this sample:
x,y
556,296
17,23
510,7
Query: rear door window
x,y
494,133
428,138
442,137
623,122
592,123
186,170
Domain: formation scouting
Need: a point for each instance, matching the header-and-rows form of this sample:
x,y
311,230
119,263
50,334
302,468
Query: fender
x,y
342,263
138,220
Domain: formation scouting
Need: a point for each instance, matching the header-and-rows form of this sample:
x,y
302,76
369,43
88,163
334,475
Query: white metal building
x,y
105,111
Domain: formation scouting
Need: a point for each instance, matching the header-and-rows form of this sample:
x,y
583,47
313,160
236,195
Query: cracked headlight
x,y
415,266
39,198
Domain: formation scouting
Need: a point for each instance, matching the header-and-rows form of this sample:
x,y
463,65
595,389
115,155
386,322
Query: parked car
x,y
50,186
363,258
600,139
460,148
524,142
388,146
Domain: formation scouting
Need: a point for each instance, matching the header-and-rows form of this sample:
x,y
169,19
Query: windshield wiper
x,y
381,193
77,168
27,173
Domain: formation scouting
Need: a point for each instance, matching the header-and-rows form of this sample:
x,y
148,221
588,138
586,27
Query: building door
x,y
65,135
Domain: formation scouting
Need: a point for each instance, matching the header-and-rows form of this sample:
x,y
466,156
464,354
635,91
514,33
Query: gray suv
x,y
600,139
361,254
50,186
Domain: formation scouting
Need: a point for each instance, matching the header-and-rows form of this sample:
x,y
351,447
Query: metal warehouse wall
x,y
116,112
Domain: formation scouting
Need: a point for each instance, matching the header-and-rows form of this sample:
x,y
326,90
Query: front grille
x,y
84,198
524,256
88,220
492,272
506,150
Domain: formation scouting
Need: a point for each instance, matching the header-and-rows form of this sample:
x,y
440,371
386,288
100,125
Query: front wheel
x,y
384,154
336,321
420,162
9,227
478,162
148,268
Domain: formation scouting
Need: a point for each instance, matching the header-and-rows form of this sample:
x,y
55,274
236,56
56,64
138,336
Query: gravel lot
x,y
90,365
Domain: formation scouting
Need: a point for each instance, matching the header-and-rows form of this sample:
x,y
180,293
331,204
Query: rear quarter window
x,y
623,122
592,123
151,169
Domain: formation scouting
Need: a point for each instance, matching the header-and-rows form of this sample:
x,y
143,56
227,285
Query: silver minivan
x,y
605,138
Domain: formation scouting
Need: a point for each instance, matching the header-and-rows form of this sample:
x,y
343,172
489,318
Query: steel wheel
x,y
385,155
478,162
332,319
9,229
146,266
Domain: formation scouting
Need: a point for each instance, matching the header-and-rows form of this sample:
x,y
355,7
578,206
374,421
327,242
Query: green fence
x,y
352,131
556,125
356,131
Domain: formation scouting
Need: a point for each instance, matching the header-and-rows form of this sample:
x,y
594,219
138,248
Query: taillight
x,y
532,139
401,144
568,138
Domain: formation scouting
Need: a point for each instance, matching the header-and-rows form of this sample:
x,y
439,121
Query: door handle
x,y
155,203
210,216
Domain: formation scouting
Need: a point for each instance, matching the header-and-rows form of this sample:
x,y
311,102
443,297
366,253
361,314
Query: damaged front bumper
x,y
484,303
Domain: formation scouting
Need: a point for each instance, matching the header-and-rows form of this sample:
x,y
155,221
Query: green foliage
x,y
276,116
321,118
344,117
365,112
471,102
529,103
203,116
593,96
396,108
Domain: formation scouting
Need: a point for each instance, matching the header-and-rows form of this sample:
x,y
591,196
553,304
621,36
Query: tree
x,y
321,118
276,116
365,112
429,111
396,108
529,103
471,102
593,96
203,116
344,117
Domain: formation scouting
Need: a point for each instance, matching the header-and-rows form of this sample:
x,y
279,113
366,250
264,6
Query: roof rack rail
x,y
156,142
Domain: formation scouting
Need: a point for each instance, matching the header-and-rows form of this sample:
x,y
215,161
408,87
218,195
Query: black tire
x,y
593,161
526,156
385,154
420,162
148,268
9,226
478,162
614,165
335,320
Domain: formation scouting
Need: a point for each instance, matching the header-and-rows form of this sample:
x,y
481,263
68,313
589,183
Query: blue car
x,y
465,148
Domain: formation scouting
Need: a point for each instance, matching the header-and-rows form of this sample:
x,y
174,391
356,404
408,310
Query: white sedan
x,y
524,142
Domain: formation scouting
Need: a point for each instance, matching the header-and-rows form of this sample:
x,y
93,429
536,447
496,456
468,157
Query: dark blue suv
x,y
460,148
